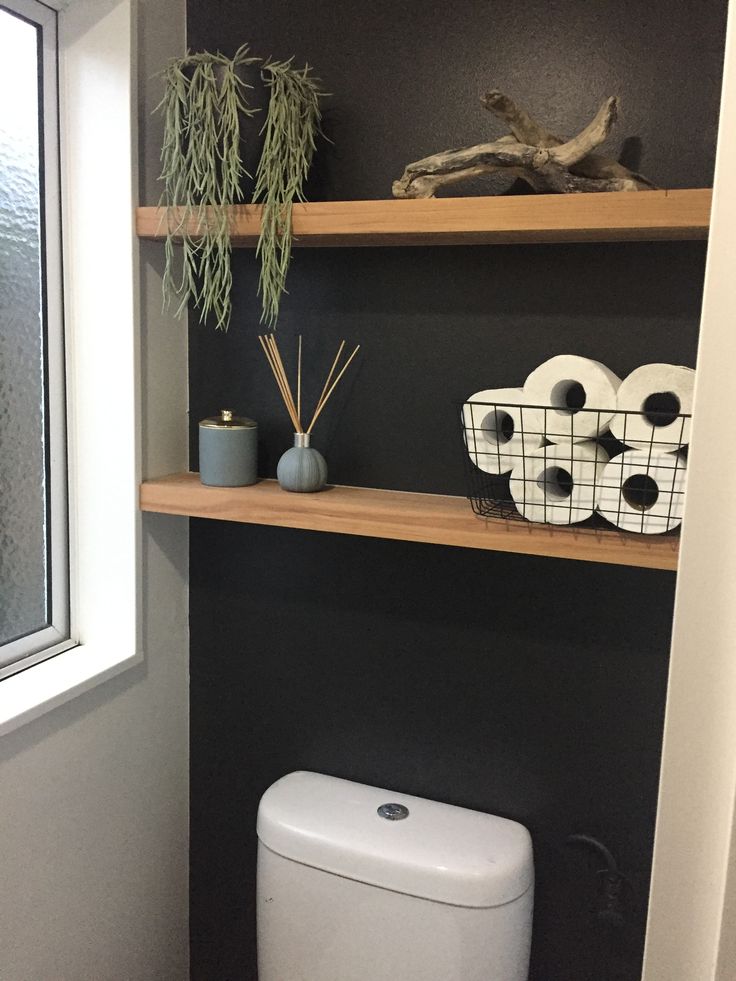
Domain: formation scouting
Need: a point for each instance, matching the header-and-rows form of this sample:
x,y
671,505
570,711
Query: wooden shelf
x,y
432,518
609,217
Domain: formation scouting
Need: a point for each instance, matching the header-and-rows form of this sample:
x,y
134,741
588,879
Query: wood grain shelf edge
x,y
399,515
618,216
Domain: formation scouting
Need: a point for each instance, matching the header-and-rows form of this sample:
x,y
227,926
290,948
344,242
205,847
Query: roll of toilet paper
x,y
500,429
559,484
580,393
643,491
652,397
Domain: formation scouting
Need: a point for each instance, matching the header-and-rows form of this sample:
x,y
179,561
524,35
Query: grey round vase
x,y
302,468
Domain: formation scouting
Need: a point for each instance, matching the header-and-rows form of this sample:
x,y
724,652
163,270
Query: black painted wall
x,y
532,688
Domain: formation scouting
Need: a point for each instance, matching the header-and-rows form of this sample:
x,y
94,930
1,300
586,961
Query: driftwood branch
x,y
523,128
547,163
527,130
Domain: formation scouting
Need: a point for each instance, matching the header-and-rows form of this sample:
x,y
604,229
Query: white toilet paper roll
x,y
499,429
654,395
558,484
581,395
643,491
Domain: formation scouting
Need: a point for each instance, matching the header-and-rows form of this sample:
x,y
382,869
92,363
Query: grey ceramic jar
x,y
228,450
302,468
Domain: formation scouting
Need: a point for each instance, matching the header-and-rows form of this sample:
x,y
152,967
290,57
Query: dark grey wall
x,y
531,688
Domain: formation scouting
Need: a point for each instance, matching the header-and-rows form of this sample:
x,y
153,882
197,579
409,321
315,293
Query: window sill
x,y
29,694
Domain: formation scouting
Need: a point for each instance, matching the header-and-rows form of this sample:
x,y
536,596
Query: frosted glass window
x,y
23,554
31,389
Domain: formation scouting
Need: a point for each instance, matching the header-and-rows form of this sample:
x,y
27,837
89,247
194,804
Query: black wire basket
x,y
567,466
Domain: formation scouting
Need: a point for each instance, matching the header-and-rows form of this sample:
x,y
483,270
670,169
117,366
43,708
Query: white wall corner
x,y
691,891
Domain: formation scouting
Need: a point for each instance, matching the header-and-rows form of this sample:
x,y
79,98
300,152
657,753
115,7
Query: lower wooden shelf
x,y
432,518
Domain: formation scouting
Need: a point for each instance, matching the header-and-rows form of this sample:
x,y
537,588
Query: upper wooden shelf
x,y
610,217
432,518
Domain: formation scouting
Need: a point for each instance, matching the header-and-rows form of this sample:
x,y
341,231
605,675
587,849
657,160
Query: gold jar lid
x,y
226,420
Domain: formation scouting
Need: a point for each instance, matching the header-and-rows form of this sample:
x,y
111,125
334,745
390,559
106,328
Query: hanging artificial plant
x,y
291,128
202,170
204,102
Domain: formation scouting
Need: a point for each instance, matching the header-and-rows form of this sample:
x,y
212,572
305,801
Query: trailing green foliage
x,y
204,99
291,128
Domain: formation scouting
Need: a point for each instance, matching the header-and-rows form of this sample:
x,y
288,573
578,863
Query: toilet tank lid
x,y
440,852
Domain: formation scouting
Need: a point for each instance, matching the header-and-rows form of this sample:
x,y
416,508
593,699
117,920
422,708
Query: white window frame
x,y
54,638
97,96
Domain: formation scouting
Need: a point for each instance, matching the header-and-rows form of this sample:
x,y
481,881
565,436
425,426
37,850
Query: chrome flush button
x,y
393,812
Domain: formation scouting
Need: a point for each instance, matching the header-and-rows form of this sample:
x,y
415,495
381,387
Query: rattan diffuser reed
x,y
302,468
294,406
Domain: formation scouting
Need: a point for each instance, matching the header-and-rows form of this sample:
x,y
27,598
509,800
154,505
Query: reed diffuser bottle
x,y
302,468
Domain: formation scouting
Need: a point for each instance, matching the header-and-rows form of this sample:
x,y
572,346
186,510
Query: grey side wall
x,y
93,821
